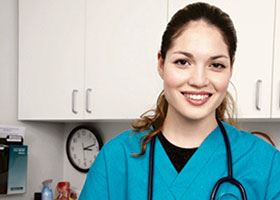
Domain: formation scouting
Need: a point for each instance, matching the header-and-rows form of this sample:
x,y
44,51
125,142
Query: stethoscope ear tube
x,y
229,178
151,169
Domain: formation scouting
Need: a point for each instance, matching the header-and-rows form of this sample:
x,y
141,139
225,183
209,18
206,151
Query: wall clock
x,y
82,146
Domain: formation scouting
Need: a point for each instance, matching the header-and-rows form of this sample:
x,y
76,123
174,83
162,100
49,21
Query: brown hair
x,y
264,136
192,12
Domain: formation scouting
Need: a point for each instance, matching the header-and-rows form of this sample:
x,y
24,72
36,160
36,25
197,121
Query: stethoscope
x,y
229,178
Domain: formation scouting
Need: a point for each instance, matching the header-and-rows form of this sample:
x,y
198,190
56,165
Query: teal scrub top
x,y
117,175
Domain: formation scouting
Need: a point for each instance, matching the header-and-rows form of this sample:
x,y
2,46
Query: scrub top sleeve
x,y
273,188
96,186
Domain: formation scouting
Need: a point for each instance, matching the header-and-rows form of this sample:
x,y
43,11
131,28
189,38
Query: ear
x,y
160,65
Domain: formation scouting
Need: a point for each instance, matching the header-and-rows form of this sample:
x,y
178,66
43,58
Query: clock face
x,y
83,145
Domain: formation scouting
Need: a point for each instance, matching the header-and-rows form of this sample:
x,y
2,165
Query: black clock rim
x,y
72,132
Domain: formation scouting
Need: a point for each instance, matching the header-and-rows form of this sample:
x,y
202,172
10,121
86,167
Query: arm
x,y
96,186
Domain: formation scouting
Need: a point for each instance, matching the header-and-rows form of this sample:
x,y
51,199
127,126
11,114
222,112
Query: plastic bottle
x,y
47,193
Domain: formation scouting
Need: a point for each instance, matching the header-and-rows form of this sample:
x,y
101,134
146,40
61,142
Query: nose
x,y
198,77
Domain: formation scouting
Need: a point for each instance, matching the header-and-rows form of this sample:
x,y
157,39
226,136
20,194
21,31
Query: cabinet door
x,y
51,59
276,73
122,41
252,68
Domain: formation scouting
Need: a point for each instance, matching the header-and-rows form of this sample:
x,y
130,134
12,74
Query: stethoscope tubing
x,y
151,169
229,178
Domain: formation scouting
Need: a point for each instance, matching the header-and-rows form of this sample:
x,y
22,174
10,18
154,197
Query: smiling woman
x,y
195,62
187,149
195,84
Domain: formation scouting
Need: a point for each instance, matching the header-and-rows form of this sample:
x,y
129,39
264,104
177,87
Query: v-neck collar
x,y
178,183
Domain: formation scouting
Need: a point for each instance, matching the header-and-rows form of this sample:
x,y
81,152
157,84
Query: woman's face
x,y
196,71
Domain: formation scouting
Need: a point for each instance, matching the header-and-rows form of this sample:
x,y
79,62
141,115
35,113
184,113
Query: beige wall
x,y
44,140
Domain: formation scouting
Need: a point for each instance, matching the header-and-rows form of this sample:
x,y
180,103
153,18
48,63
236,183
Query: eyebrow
x,y
192,56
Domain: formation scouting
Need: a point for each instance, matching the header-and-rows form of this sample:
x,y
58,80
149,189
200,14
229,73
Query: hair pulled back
x,y
192,12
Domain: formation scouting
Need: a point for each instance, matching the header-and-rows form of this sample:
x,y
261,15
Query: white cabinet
x,y
122,41
51,59
83,59
276,73
252,70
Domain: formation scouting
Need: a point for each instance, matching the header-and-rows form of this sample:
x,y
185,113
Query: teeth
x,y
197,96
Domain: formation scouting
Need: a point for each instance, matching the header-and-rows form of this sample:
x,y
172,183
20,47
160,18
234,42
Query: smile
x,y
197,99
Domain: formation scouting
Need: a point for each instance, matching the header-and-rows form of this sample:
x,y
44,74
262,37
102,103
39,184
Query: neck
x,y
188,133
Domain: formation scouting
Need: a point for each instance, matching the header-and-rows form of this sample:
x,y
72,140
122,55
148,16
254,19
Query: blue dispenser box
x,y
17,169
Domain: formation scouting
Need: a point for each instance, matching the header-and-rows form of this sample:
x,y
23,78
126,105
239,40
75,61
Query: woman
x,y
195,63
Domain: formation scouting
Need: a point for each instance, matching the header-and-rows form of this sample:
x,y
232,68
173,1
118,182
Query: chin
x,y
196,113
198,116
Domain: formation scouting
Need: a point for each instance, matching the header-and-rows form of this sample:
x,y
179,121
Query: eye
x,y
218,66
182,62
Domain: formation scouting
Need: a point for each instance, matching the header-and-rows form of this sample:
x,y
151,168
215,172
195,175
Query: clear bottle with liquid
x,y
47,193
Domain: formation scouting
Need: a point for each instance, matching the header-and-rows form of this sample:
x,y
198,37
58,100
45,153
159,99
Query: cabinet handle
x,y
74,94
258,94
88,100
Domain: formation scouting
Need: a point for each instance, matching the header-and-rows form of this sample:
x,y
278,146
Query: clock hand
x,y
88,147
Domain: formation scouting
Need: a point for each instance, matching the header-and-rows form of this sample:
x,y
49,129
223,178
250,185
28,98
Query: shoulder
x,y
126,142
246,142
118,150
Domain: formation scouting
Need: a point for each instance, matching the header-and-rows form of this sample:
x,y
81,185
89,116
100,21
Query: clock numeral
x,y
83,132
78,134
85,164
75,140
72,148
74,156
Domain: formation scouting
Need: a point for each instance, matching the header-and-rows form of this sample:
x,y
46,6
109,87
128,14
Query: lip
x,y
196,98
197,92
